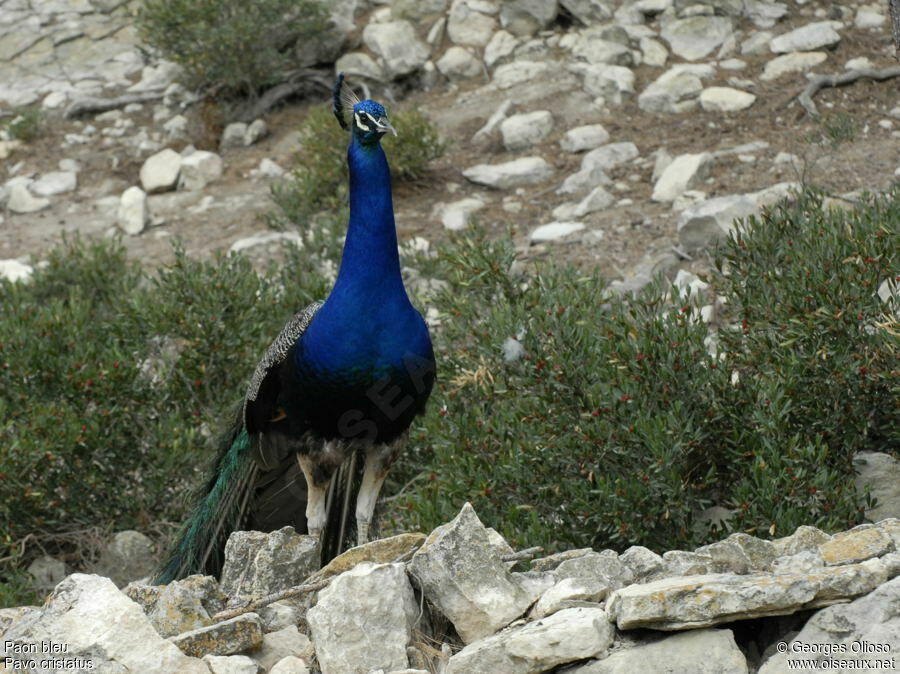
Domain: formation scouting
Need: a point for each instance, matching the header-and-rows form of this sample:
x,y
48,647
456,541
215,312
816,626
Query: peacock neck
x,y
370,266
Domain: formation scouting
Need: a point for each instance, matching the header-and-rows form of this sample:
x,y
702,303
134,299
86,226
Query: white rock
x,y
176,127
732,64
588,12
524,130
807,38
14,270
517,173
609,156
655,54
554,231
517,72
725,99
458,63
199,169
792,63
696,651
608,82
133,215
55,182
877,471
870,620
269,168
280,644
455,216
597,200
233,135
870,16
230,664
567,635
364,619
697,36
683,173
160,171
397,45
359,64
460,570
97,622
57,99
502,44
758,43
566,591
583,138
861,63
266,238
468,26
676,90
256,131
21,200
290,665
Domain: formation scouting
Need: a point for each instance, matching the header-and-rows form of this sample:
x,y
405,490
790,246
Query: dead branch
x,y
301,81
822,81
527,553
88,104
256,604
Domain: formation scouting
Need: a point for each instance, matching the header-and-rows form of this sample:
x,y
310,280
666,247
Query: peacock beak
x,y
384,126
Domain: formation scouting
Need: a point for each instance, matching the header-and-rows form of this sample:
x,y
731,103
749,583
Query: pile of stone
x,y
450,602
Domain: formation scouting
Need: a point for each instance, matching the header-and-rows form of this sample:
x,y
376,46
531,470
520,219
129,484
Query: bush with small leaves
x,y
232,47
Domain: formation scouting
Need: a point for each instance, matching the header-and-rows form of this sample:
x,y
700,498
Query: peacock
x,y
328,408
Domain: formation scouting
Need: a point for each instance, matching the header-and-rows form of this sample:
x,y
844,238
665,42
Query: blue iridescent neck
x,y
370,265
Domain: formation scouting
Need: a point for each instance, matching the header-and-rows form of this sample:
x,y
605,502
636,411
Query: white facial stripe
x,y
359,122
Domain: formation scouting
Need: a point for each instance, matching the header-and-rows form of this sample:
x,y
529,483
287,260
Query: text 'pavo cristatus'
x,y
328,407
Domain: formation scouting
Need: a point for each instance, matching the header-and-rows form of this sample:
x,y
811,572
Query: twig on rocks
x,y
822,81
527,553
256,604
87,104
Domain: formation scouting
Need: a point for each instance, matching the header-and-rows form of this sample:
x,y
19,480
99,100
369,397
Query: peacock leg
x,y
316,513
378,460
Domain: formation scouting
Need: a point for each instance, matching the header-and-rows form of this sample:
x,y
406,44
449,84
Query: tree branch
x,y
822,81
87,104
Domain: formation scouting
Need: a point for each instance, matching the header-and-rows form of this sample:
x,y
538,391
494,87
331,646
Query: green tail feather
x,y
221,508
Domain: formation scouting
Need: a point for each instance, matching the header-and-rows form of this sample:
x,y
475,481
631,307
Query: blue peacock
x,y
329,405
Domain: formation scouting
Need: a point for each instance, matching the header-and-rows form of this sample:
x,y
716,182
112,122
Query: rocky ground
x,y
602,95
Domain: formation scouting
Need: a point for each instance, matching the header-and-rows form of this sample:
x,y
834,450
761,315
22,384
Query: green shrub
x,y
26,126
617,428
234,47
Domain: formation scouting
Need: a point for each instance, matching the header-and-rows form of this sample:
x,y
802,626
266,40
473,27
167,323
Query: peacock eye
x,y
363,125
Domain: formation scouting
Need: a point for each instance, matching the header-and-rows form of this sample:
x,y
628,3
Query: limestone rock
x,y
290,665
697,36
502,44
608,82
554,231
810,37
21,200
642,562
522,131
519,71
725,99
683,173
280,644
856,545
199,169
696,651
705,600
363,620
233,136
458,63
567,635
881,473
583,138
866,629
676,90
359,64
181,606
382,551
607,157
466,25
461,573
597,200
55,182
259,563
230,664
14,270
397,45
98,623
588,12
455,216
129,556
160,171
654,53
516,173
47,571
526,17
223,638
792,63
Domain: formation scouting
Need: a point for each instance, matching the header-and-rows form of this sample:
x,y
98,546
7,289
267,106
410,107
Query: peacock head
x,y
369,120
